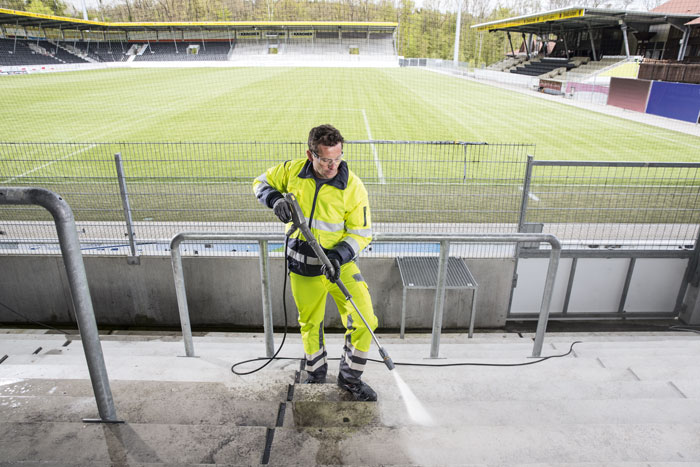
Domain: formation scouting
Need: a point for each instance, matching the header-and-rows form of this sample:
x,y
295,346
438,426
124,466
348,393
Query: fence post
x,y
526,194
80,292
133,259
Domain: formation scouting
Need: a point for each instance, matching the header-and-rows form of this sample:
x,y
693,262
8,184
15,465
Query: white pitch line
x,y
49,163
380,173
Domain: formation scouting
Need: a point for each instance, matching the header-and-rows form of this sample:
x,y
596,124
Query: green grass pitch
x,y
212,105
281,104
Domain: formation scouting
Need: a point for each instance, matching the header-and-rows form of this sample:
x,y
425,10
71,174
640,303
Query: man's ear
x,y
309,155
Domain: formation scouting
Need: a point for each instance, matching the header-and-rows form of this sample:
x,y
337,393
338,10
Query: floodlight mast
x,y
459,23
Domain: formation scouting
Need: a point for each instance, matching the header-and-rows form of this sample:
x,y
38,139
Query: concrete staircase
x,y
617,400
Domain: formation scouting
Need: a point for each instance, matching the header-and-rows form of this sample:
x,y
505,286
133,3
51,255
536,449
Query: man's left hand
x,y
336,270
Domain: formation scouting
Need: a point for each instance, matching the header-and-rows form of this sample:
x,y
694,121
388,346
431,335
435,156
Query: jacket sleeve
x,y
358,226
270,186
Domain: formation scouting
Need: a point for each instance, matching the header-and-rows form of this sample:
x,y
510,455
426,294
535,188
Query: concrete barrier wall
x,y
227,292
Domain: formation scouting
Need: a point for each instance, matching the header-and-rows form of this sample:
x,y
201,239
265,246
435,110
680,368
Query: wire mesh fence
x,y
617,205
438,186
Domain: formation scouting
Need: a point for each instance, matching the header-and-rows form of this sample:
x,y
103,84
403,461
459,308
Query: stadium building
x,y
32,42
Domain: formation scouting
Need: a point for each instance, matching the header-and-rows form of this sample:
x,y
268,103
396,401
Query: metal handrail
x,y
80,292
445,239
176,260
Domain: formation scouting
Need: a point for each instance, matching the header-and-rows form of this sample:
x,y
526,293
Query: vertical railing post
x,y
266,298
80,292
547,296
439,297
133,259
181,294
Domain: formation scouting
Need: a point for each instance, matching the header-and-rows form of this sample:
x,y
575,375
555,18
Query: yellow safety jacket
x,y
336,210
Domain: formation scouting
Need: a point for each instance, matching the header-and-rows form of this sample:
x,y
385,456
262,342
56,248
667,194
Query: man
x,y
335,203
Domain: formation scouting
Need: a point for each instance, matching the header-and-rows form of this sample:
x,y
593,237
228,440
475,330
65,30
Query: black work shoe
x,y
360,391
311,379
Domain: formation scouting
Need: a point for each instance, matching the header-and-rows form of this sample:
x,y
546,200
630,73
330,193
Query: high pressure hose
x,y
299,222
284,306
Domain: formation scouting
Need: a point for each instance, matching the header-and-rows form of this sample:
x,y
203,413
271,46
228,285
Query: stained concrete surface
x,y
618,399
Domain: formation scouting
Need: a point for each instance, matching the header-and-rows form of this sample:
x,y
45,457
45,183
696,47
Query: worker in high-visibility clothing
x,y
335,203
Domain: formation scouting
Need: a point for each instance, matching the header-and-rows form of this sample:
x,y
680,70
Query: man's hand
x,y
282,210
336,270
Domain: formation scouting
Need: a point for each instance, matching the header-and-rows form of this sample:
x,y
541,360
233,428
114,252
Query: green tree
x,y
37,6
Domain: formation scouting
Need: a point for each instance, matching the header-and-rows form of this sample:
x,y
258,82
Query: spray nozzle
x,y
387,359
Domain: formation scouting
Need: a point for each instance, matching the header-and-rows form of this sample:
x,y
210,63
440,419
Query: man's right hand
x,y
282,210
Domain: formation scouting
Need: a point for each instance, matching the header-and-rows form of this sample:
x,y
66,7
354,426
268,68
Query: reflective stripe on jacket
x,y
336,210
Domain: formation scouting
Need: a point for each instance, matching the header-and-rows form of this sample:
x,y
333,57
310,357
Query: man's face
x,y
326,160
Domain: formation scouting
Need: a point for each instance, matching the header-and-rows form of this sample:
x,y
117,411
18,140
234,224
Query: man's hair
x,y
325,135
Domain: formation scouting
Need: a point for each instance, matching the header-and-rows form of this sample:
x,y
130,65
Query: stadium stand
x,y
542,66
108,51
60,53
507,64
185,51
250,47
23,53
592,68
324,46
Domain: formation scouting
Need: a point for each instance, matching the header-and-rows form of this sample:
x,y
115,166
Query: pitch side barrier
x,y
445,240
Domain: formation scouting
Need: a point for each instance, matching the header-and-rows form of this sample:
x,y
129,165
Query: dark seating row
x,y
170,51
545,65
18,53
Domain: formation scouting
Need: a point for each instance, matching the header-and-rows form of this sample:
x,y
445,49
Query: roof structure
x,y
35,20
582,18
679,7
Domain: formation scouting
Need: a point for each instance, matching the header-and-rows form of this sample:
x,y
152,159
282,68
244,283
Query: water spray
x,y
299,221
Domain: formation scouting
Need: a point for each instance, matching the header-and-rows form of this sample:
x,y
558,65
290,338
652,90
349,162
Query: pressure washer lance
x,y
299,221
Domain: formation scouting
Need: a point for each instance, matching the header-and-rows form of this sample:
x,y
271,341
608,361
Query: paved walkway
x,y
619,399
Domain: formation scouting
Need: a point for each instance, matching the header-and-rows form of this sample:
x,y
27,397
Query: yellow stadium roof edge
x,y
36,19
543,17
577,15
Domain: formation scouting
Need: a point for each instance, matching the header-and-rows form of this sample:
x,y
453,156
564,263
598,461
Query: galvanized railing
x,y
444,239
80,292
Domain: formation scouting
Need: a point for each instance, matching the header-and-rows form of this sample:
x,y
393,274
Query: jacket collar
x,y
340,181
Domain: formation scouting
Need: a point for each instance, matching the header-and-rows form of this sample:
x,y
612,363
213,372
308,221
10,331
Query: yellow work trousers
x,y
310,296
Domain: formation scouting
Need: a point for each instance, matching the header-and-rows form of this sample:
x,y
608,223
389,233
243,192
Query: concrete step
x,y
327,406
72,365
648,373
539,464
460,391
679,362
626,340
219,411
572,370
687,387
130,443
267,388
498,413
498,445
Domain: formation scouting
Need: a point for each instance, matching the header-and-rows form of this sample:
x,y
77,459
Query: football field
x,y
281,104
